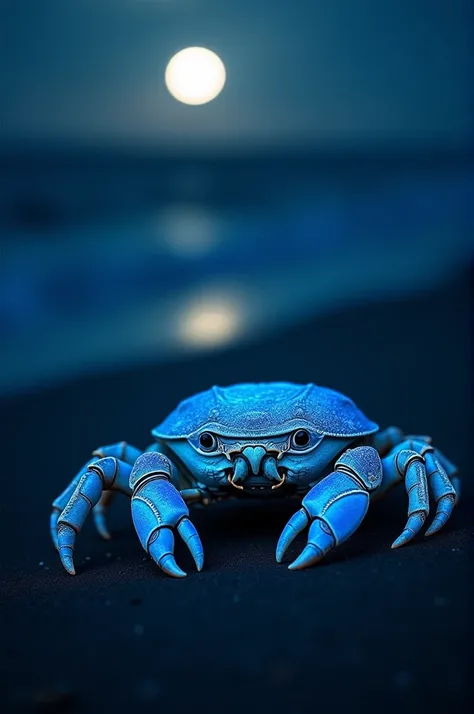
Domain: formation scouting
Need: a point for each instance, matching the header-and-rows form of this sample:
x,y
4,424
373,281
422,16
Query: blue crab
x,y
259,440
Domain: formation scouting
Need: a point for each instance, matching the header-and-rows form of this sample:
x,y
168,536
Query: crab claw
x,y
334,508
158,509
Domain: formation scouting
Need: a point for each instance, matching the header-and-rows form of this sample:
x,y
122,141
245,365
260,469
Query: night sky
x,y
310,71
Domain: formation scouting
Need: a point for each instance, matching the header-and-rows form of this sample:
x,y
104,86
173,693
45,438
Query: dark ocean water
x,y
114,258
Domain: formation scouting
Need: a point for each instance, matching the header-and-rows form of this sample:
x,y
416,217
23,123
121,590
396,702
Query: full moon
x,y
195,75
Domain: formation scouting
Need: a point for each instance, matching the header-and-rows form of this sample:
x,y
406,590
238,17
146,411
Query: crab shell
x,y
268,409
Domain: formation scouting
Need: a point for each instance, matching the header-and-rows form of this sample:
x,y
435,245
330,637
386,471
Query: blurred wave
x,y
107,262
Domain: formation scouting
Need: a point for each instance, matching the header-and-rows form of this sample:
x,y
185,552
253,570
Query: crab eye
x,y
207,441
300,439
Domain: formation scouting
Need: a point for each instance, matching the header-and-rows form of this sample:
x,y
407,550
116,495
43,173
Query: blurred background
x,y
292,201
334,168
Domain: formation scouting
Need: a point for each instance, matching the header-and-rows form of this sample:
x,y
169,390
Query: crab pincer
x,y
335,507
158,510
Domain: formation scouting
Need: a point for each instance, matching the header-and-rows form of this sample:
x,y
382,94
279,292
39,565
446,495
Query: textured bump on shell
x,y
268,409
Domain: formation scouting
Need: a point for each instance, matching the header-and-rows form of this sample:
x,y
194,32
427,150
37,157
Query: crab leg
x,y
443,490
424,469
125,452
121,450
62,500
104,474
385,443
411,465
98,514
451,470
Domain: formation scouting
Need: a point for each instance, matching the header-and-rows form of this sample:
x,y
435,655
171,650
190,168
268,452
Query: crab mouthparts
x,y
255,461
